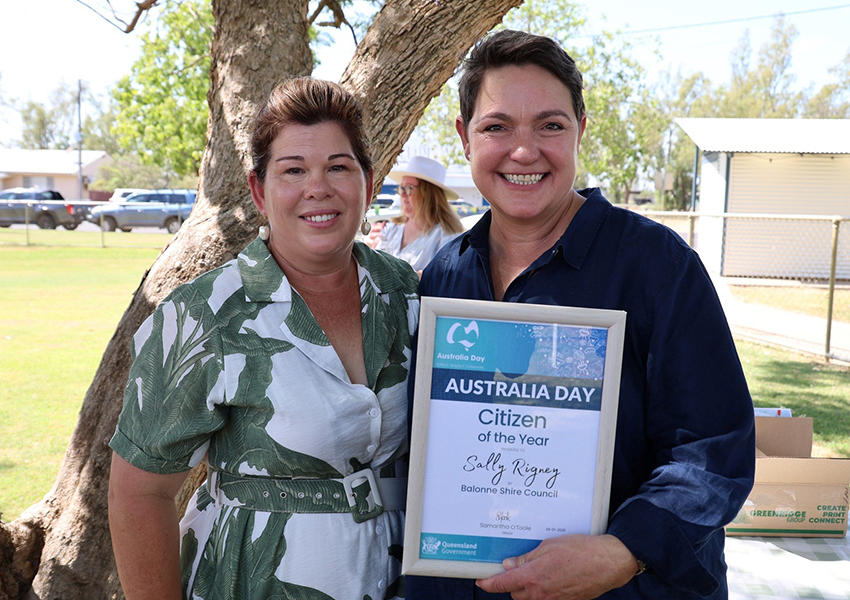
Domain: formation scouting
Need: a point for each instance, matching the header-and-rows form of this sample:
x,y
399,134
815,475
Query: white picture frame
x,y
502,391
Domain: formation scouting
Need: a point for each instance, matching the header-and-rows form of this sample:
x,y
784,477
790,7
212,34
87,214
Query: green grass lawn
x,y
59,307
810,388
19,236
807,300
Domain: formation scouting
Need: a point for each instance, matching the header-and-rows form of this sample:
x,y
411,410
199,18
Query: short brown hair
x,y
307,101
516,48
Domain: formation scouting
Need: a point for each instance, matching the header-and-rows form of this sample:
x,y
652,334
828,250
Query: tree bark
x,y
409,52
60,548
255,44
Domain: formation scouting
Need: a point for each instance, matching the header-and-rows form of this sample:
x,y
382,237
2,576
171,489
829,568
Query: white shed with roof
x,y
770,166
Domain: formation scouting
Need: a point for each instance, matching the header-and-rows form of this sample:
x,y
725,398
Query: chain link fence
x,y
86,223
784,279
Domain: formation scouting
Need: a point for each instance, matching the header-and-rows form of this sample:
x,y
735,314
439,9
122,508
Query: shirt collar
x,y
573,245
582,231
385,278
262,278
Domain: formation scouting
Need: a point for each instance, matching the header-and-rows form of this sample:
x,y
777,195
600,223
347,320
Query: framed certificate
x,y
514,417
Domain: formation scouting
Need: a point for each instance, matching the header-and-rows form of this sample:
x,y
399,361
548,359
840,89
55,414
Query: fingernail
x,y
509,563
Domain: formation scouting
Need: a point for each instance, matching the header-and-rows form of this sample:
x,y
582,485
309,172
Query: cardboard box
x,y
794,495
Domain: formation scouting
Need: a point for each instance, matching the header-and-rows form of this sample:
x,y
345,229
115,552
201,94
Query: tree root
x,y
21,543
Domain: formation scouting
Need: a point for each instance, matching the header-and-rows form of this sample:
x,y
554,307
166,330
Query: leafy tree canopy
x,y
162,110
128,170
161,105
52,125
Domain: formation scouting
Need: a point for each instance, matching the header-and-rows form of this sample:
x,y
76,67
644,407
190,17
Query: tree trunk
x,y
256,42
410,51
61,545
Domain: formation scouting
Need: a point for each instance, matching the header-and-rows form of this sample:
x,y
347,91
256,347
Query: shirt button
x,y
371,448
373,413
382,584
379,529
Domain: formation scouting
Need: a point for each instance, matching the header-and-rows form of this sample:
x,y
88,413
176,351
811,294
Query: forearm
x,y
145,539
691,422
145,531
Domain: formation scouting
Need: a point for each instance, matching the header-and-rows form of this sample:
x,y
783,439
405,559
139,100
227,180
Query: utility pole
x,y
79,139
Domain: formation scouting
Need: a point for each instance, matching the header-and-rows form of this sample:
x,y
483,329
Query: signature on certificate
x,y
518,466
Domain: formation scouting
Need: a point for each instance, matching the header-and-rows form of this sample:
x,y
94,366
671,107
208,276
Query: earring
x,y
365,226
264,233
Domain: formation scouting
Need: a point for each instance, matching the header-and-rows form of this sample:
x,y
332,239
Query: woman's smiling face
x,y
523,143
314,194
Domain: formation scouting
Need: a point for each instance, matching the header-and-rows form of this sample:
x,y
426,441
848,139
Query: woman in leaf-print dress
x,y
285,370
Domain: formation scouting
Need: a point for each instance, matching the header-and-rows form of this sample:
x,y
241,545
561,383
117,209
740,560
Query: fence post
x,y
836,223
27,222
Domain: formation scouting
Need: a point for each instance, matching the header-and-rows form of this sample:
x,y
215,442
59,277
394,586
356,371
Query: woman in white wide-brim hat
x,y
427,221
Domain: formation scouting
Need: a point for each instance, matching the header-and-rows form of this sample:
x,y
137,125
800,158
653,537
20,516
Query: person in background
x,y
427,221
684,456
284,371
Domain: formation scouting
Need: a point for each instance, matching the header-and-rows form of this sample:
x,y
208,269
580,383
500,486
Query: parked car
x,y
386,200
120,194
45,208
156,208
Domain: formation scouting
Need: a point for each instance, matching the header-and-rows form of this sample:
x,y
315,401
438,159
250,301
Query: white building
x,y
771,166
50,169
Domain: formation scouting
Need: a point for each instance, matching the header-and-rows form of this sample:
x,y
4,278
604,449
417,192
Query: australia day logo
x,y
465,336
430,545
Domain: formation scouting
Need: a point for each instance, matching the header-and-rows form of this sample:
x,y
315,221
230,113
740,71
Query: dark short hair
x,y
516,48
307,101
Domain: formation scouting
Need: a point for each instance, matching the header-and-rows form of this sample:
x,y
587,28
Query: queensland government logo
x,y
430,545
465,336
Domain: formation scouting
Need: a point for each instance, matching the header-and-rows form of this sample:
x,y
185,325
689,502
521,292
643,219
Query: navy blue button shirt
x,y
684,456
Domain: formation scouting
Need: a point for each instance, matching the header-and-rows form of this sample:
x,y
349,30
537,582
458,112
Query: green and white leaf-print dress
x,y
232,368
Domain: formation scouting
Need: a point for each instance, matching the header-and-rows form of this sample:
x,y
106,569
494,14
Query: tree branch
x,y
339,17
141,9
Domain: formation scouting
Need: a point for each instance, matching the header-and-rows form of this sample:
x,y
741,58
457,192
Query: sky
x,y
47,42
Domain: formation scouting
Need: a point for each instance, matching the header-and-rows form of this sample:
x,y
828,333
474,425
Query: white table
x,y
762,568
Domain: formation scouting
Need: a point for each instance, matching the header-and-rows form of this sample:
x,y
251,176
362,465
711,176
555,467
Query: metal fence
x,y
70,223
784,279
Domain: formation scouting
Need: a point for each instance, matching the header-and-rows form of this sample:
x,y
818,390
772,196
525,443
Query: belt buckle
x,y
361,491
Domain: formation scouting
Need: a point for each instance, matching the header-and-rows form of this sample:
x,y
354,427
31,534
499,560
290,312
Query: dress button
x,y
379,529
382,584
373,413
371,448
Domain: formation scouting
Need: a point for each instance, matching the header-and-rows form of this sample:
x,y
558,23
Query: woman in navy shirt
x,y
684,458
